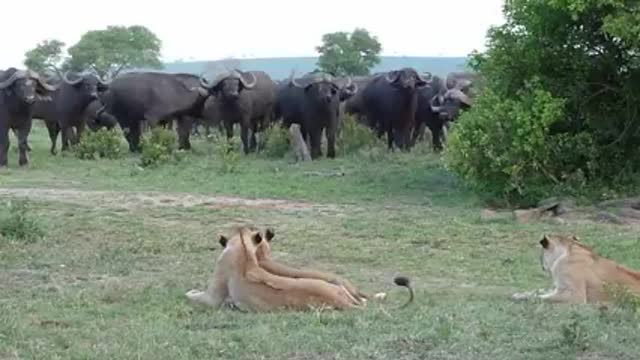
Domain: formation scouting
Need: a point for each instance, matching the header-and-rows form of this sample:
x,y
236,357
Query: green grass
x,y
108,279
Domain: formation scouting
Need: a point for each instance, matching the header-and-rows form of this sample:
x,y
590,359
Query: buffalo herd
x,y
400,104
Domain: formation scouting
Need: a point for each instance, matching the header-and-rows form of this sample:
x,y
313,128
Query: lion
x,y
579,274
239,279
265,261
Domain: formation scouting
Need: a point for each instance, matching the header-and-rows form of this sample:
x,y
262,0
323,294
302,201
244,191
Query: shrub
x,y
274,142
19,224
158,146
228,152
102,143
583,53
355,137
504,147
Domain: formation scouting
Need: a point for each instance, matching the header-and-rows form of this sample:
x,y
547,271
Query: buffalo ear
x,y
270,234
545,242
223,241
257,238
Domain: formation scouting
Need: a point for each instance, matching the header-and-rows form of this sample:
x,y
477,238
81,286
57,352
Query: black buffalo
x,y
313,101
426,116
389,101
19,90
66,111
96,117
245,98
458,96
153,98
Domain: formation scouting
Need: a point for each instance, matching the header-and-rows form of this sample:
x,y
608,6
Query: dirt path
x,y
137,199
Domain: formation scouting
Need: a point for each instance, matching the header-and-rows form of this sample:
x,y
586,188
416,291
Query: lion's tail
x,y
405,282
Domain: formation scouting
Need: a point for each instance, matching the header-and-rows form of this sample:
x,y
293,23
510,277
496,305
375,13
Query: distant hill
x,y
280,68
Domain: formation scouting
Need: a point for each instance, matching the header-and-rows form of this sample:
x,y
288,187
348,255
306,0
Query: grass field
x,y
123,245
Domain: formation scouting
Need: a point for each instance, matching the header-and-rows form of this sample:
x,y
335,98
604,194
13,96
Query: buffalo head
x,y
448,106
26,85
230,84
323,87
97,117
406,78
86,85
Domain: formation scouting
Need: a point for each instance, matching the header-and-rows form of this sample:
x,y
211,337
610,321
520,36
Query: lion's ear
x,y
270,234
223,240
257,238
576,238
545,242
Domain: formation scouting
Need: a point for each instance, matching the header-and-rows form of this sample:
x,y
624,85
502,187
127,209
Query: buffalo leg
x,y
23,138
436,134
4,145
79,132
331,140
53,129
418,133
316,142
253,143
244,135
184,129
67,135
133,136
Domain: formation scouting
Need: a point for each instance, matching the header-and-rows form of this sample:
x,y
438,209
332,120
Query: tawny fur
x,y
238,276
579,274
246,276
263,254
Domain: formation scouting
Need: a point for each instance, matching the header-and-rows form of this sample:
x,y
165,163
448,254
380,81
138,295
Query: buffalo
x,y
313,101
426,116
19,90
154,98
66,111
389,101
96,117
245,98
457,96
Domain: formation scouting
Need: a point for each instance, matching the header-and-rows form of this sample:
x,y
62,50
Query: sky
x,y
215,29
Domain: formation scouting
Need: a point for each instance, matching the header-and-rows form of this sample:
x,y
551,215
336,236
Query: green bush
x,y
158,146
227,152
518,141
18,224
355,137
102,143
504,146
274,142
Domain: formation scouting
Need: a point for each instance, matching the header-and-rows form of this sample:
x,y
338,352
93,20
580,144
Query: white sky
x,y
214,29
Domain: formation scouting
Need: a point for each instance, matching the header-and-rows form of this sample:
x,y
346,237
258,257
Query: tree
x,y
342,53
583,54
46,54
115,48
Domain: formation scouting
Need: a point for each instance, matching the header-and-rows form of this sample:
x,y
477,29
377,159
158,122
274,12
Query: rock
x,y
630,213
556,206
527,216
487,214
608,217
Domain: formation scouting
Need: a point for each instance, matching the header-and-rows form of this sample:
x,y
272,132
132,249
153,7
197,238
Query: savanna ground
x,y
123,245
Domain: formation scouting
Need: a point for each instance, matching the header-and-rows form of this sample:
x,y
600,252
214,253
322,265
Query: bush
x,y
355,137
274,141
504,148
158,146
522,147
228,152
19,225
102,143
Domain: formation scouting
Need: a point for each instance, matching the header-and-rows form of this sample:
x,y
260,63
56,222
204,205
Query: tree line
x,y
109,51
